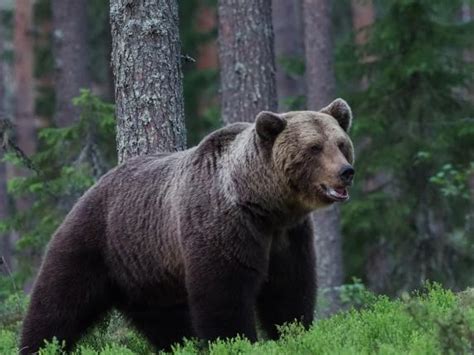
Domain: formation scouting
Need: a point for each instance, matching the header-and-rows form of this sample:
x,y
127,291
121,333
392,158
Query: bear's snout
x,y
346,174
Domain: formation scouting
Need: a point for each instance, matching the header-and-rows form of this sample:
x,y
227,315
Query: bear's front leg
x,y
222,298
289,293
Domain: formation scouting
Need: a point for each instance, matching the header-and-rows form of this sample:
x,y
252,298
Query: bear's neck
x,y
250,182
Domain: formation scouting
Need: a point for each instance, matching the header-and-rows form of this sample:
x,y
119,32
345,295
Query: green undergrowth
x,y
431,321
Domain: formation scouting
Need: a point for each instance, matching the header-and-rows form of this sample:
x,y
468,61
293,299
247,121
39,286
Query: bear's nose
x,y
347,174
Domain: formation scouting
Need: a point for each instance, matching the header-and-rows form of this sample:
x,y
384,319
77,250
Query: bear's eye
x,y
341,146
317,148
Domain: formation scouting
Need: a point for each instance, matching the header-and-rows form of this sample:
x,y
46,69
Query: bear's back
x,y
144,199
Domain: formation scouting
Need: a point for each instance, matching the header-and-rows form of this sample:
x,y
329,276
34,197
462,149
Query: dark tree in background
x,y
247,65
146,59
23,71
71,55
320,81
5,245
289,53
24,133
378,262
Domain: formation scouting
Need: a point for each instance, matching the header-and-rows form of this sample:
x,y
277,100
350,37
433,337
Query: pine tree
x,y
71,56
246,57
321,83
146,59
414,121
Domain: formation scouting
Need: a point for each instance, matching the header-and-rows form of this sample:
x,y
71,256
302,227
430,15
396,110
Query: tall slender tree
x,y
378,261
246,56
71,55
5,244
24,81
146,60
363,15
320,81
289,52
24,118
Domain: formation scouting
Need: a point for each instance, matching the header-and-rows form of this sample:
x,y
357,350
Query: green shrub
x,y
431,321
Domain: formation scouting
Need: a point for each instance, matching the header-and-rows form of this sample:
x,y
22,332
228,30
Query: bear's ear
x,y
340,110
269,125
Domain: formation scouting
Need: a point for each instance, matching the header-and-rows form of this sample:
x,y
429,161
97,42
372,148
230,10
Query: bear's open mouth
x,y
336,193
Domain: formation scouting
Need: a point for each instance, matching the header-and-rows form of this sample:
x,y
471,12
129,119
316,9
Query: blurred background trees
x,y
405,67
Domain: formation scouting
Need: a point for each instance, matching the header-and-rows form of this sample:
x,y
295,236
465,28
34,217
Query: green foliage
x,y
355,295
292,65
408,86
68,162
452,181
433,321
12,309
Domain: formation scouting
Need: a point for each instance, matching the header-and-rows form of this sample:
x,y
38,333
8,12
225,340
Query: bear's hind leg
x,y
162,326
70,294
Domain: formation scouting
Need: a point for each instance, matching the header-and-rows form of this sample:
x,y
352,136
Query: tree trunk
x,y
71,54
146,59
23,68
24,81
320,81
247,75
5,242
378,263
25,122
289,45
363,15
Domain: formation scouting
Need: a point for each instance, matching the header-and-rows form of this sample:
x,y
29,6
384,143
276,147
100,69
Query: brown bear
x,y
197,243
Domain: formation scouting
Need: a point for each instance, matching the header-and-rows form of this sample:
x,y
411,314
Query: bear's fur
x,y
191,244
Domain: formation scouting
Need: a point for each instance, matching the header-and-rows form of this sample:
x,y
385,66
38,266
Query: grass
x,y
432,321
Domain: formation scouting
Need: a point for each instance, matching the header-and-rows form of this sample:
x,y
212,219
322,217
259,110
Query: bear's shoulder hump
x,y
217,141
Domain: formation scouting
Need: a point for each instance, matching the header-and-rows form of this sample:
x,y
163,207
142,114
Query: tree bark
x,y
247,75
71,54
320,81
289,44
23,107
24,81
5,242
146,59
363,15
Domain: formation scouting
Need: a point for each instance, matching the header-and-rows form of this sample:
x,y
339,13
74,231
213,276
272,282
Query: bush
x,y
431,321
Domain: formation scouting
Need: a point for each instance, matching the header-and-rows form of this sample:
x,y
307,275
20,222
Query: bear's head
x,y
311,152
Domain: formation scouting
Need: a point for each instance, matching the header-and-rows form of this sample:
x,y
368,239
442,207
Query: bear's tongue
x,y
341,191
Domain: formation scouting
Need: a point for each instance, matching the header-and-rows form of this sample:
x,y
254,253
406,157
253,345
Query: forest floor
x,y
432,321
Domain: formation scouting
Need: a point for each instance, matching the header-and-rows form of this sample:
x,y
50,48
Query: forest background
x,y
404,66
